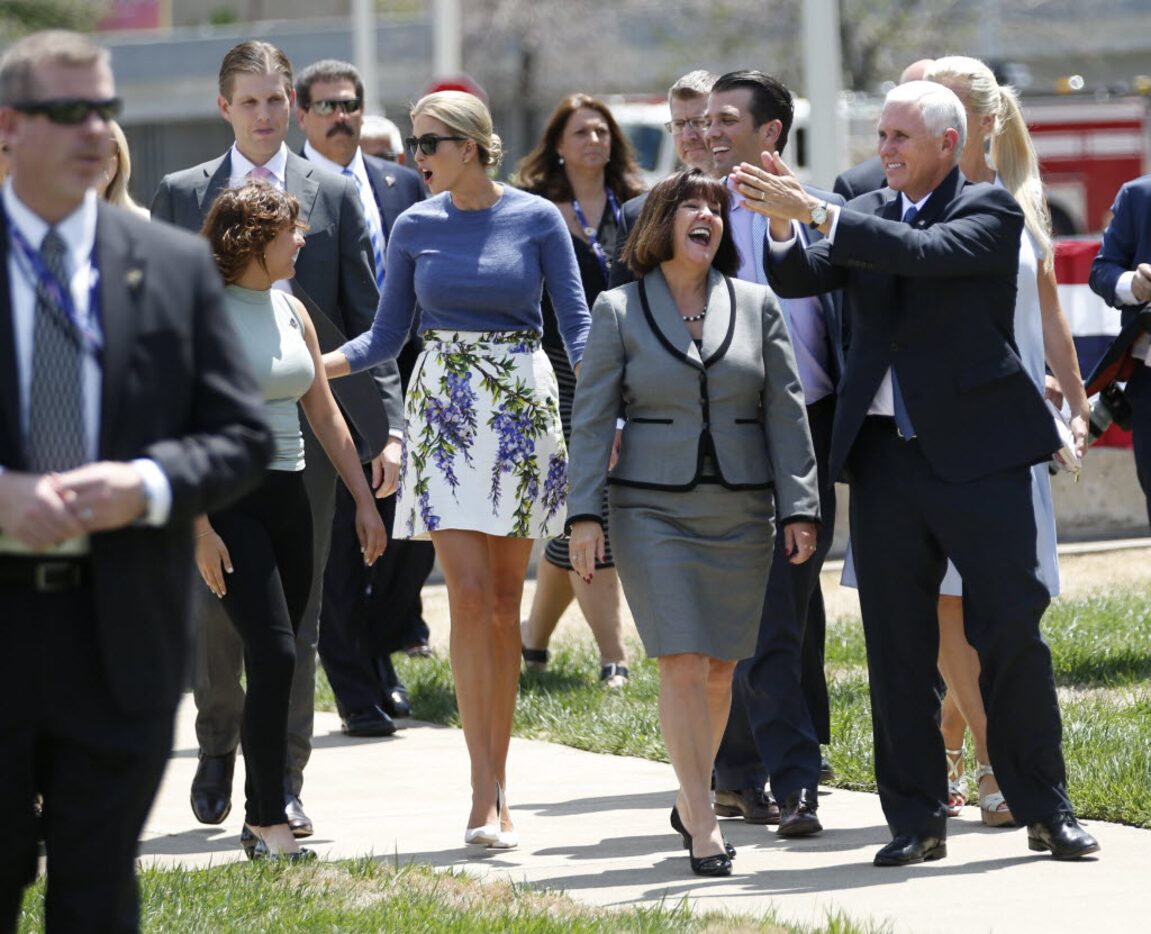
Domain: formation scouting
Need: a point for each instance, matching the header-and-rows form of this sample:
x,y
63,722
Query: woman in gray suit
x,y
715,444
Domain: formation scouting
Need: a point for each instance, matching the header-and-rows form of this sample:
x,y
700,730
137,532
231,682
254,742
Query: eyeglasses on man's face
x,y
428,142
71,111
325,108
699,124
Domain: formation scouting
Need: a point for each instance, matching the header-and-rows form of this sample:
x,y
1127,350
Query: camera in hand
x,y
1111,406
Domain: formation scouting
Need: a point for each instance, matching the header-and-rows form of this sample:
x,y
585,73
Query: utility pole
x,y
822,72
447,38
364,51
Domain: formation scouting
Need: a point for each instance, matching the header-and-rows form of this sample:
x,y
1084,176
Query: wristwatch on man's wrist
x,y
818,215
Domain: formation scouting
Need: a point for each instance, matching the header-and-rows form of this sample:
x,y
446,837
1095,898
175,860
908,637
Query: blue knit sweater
x,y
475,271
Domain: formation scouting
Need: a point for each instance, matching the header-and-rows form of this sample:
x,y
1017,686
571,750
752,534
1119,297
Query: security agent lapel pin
x,y
133,278
391,180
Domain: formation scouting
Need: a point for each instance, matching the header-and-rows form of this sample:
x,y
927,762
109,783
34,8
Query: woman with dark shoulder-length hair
x,y
585,165
716,440
256,555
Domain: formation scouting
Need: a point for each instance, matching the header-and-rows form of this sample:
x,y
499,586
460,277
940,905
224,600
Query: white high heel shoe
x,y
505,839
487,834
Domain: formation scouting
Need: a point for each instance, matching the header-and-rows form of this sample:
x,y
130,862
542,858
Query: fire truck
x,y
1088,147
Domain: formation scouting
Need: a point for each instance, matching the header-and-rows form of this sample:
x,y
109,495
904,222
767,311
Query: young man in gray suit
x,y
126,409
334,274
356,640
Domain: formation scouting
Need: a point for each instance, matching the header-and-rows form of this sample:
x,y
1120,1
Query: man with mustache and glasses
x,y
356,639
335,277
126,409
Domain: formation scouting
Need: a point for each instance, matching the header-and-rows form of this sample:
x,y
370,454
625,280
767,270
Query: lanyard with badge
x,y
39,277
590,231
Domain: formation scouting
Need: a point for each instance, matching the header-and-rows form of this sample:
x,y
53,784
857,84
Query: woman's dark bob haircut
x,y
651,240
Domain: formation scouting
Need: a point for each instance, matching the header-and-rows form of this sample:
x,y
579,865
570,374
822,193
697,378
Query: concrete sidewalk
x,y
597,827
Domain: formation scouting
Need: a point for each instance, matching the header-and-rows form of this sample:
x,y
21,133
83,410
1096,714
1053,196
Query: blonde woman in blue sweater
x,y
484,469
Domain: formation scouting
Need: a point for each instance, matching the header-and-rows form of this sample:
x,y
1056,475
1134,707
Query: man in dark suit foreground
x,y
356,640
937,426
126,411
334,275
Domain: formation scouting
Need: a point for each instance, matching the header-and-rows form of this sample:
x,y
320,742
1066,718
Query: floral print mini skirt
x,y
483,444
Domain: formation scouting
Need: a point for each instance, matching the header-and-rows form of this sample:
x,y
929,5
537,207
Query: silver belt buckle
x,y
55,576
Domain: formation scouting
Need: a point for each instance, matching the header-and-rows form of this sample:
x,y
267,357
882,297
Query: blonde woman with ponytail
x,y
999,150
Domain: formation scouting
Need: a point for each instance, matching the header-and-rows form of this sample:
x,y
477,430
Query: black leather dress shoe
x,y
396,702
212,788
298,822
1063,836
797,814
909,848
753,805
826,772
370,722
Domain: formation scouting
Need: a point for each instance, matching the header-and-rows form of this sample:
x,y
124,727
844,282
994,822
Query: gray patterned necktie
x,y
56,436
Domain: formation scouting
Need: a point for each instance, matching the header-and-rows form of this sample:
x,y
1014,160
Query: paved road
x,y
596,827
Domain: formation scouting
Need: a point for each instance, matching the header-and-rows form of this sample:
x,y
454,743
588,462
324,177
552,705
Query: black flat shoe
x,y
371,722
211,795
797,817
248,841
1063,836
910,848
717,865
678,827
303,855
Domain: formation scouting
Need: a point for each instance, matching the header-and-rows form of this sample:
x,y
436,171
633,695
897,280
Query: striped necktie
x,y
374,231
56,433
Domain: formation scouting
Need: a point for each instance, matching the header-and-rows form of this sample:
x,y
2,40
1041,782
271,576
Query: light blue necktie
x,y
374,232
902,417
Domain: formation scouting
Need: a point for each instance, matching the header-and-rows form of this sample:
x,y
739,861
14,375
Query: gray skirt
x,y
694,566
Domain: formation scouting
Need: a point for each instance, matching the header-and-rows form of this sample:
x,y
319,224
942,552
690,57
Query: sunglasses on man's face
x,y
71,111
428,142
326,108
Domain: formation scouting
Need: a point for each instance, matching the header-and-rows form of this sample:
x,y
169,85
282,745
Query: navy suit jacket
x,y
176,388
1126,242
395,188
936,301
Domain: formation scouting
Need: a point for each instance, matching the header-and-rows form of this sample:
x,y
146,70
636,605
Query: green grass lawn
x,y
1101,649
368,896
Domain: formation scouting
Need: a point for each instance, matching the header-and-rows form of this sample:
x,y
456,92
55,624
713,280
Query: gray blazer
x,y
738,401
334,269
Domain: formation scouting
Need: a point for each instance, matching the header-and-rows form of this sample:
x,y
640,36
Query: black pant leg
x,y
988,531
1139,394
268,534
343,647
900,564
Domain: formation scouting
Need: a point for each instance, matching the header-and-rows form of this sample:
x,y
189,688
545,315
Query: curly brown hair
x,y
243,221
542,173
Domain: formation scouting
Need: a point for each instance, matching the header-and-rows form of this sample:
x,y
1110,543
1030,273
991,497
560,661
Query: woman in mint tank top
x,y
484,469
256,555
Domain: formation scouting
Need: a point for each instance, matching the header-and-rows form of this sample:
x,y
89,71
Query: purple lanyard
x,y
41,277
590,231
